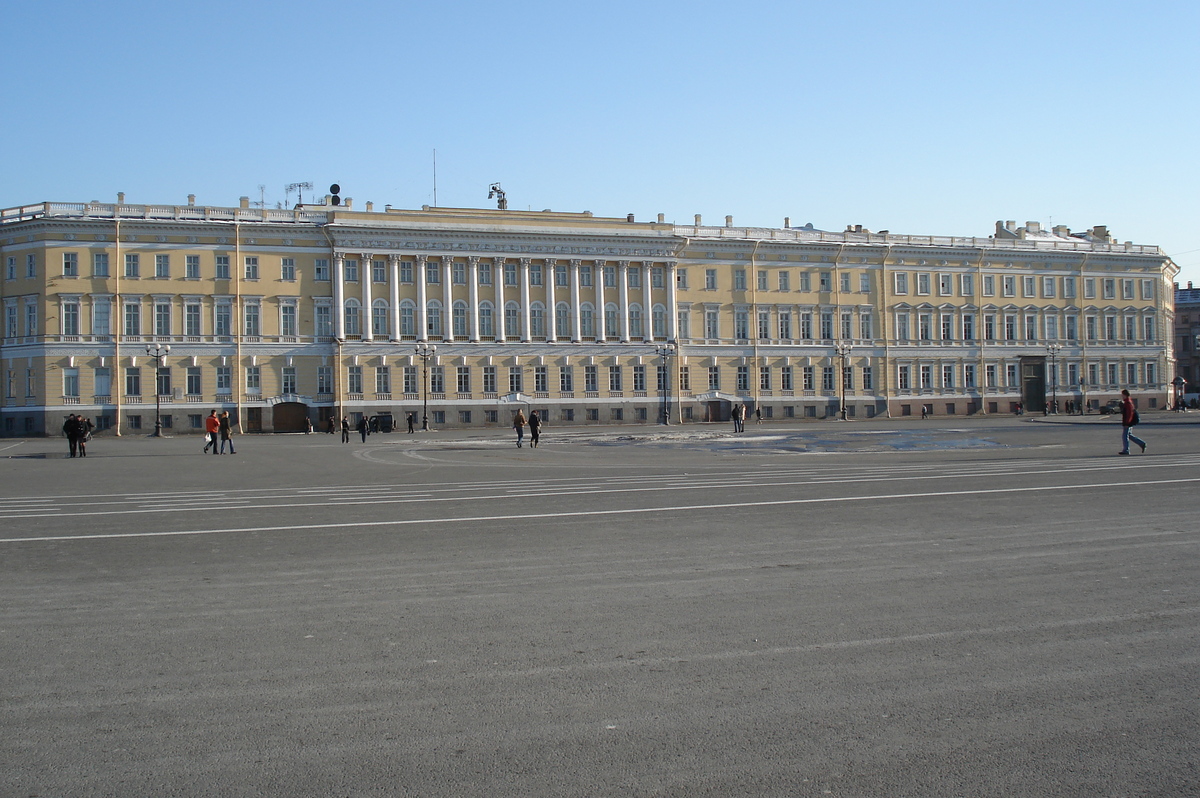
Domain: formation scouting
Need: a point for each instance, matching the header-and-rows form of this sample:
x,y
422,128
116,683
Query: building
x,y
325,311
1187,341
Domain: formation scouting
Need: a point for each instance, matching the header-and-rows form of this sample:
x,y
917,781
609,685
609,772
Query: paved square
x,y
998,607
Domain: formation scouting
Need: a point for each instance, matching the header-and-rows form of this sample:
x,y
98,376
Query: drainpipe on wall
x,y
238,383
885,375
116,324
337,339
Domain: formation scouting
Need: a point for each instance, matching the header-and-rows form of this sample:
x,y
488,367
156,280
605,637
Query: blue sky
x,y
918,117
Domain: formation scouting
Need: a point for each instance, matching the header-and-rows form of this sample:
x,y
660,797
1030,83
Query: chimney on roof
x,y
662,217
348,202
698,222
1033,227
244,203
1101,231
787,223
191,199
120,197
370,206
1010,226
1062,230
729,221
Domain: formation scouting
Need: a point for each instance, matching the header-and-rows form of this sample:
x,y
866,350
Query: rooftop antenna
x,y
299,189
435,178
262,196
494,190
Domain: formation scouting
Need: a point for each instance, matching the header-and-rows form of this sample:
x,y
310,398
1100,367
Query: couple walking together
x,y
535,428
218,428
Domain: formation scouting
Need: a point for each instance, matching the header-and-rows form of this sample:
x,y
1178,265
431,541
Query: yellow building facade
x,y
461,316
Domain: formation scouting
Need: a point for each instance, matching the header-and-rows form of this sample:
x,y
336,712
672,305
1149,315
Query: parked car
x,y
1112,408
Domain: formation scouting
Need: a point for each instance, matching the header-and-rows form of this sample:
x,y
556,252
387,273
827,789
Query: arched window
x,y
611,329
658,322
537,320
587,321
512,320
379,318
635,321
353,321
562,320
433,319
408,324
460,319
487,325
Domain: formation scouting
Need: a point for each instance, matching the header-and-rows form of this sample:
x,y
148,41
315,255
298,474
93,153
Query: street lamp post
x,y
425,351
159,353
665,351
1053,350
843,350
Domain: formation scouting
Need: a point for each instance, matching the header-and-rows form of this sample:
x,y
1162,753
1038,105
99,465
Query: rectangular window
x,y
639,378
1127,289
462,382
614,378
535,274
321,269
383,380
762,280
132,265
805,282
253,380
162,318
681,279
31,266
193,381
712,324
162,266
784,281
514,379
287,269
409,376
100,264
591,379
133,320
133,381
945,284
489,379
807,377
710,279
845,282
1110,288
287,320
324,379
251,267
378,271
1069,287
1009,285
224,379
1029,286
1147,293
585,276
191,267
926,377
785,378
864,283
901,282
70,318
10,268
70,264
510,273
989,285
222,267
354,380
350,272
868,378
1048,287
825,281
323,321
610,276
966,285
714,378
922,283
70,382
827,376
250,312
764,378
743,378
541,379
566,379
947,376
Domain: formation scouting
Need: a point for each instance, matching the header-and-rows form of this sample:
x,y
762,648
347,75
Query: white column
x,y
365,316
339,299
525,331
623,294
575,323
551,314
447,299
473,297
598,277
648,301
673,301
498,281
394,296
422,308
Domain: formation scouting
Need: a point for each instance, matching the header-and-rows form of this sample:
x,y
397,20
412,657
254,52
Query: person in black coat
x,y
71,430
363,428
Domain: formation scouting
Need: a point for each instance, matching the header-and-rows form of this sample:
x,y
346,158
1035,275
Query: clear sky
x,y
921,117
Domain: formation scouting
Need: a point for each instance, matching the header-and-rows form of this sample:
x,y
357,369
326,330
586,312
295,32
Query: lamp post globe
x,y
425,351
159,353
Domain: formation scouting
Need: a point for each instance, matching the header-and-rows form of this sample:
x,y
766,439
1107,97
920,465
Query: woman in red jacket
x,y
1128,414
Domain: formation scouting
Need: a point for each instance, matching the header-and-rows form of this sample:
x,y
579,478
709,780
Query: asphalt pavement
x,y
989,606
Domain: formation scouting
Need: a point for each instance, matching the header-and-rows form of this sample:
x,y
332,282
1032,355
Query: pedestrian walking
x,y
1129,419
757,415
226,433
535,427
412,422
735,416
519,426
363,429
85,433
332,425
71,430
345,429
212,426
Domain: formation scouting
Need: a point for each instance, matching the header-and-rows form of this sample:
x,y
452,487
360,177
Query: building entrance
x,y
289,417
1033,384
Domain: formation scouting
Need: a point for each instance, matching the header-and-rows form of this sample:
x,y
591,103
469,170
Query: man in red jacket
x,y
212,425
1128,414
